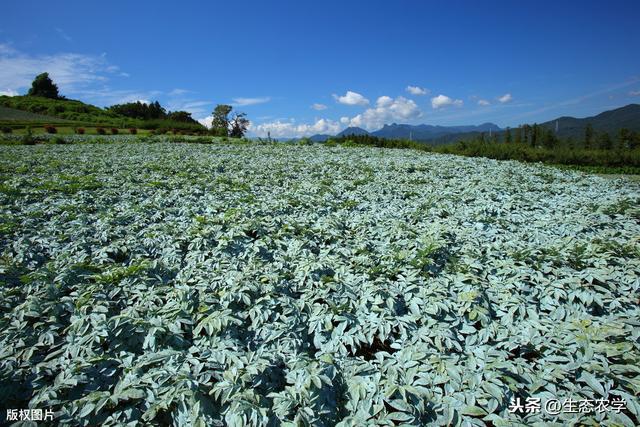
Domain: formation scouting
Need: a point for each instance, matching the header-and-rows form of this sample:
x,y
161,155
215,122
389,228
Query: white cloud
x,y
387,109
345,120
351,98
178,92
289,129
319,107
8,92
72,72
483,102
207,121
635,93
63,34
441,101
505,98
417,90
242,102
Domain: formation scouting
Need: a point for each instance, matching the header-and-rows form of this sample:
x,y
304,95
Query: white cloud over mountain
x,y
282,129
351,98
441,101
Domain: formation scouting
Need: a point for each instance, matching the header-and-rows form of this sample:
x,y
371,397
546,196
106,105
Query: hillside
x,y
610,121
14,115
426,132
353,130
35,109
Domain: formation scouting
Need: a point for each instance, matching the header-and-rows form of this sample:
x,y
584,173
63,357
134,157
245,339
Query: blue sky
x,y
299,68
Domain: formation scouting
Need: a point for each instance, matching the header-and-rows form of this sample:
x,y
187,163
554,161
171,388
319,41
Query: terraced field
x,y
307,285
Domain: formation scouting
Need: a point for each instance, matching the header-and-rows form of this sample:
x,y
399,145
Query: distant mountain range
x,y
609,121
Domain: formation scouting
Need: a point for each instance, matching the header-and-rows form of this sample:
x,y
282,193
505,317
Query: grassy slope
x,y
80,114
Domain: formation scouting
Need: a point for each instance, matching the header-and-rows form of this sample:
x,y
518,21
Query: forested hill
x,y
627,117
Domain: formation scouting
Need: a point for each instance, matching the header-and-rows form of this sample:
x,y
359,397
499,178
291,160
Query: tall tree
x,y
535,133
518,135
588,136
549,139
623,138
507,136
220,123
238,125
604,141
43,86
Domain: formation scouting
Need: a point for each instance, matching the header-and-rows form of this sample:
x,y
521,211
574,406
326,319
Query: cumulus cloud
x,y
319,107
73,73
387,109
505,98
289,129
417,90
635,93
351,98
242,102
441,101
206,121
483,102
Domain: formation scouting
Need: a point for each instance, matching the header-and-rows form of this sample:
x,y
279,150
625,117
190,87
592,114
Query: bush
x,y
80,131
50,129
114,131
101,131
6,129
58,140
133,131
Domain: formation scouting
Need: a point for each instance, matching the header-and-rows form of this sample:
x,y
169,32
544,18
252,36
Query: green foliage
x,y
140,110
44,87
238,125
273,284
554,154
220,122
76,113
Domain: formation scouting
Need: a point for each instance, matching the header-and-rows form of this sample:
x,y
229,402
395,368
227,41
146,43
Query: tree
x,y
43,86
140,110
507,136
604,141
549,139
588,136
526,129
238,125
220,122
518,135
535,133
624,137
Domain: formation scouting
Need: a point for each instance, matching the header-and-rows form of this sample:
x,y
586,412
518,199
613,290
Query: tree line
x,y
225,122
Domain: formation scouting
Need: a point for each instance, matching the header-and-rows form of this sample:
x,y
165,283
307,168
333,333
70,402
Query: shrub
x,y
80,131
59,140
133,131
114,131
101,131
50,129
6,129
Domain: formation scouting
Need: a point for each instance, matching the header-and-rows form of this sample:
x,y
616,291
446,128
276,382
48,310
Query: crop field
x,y
308,285
13,115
